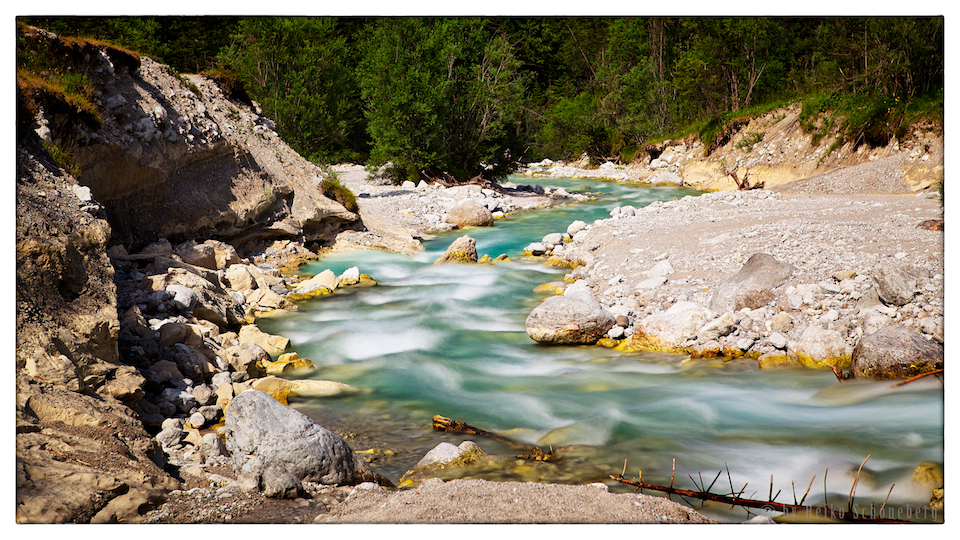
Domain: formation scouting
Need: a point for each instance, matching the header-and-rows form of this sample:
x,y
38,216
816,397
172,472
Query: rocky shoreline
x,y
850,265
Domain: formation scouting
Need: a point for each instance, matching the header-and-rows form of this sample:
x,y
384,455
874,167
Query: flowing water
x,y
450,340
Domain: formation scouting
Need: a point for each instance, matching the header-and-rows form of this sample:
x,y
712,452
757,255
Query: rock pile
x,y
789,282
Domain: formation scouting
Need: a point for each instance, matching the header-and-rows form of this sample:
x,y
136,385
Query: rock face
x,y
462,250
178,162
469,213
893,352
751,286
269,440
80,457
572,318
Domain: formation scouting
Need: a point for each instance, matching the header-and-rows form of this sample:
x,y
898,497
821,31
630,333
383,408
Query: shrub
x,y
230,84
332,188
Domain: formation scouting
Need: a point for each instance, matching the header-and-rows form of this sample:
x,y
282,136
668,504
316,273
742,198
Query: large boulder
x,y
261,434
567,319
897,284
752,285
822,347
462,250
324,280
670,329
893,352
469,213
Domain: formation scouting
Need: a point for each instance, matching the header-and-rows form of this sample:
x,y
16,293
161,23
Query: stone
x,y
569,319
288,363
551,240
717,328
751,285
536,249
260,431
777,359
183,297
212,446
172,333
445,453
821,347
576,227
126,385
204,394
665,178
462,250
164,371
202,255
196,420
281,389
670,329
894,352
170,437
273,345
469,213
660,269
278,483
224,254
239,278
350,276
897,284
781,322
324,280
708,349
212,413
247,358
778,340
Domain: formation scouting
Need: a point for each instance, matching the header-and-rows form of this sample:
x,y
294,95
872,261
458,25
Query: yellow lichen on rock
x,y
299,297
288,363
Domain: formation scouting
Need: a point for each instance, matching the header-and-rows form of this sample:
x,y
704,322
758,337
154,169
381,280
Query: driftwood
x,y
745,184
442,423
734,498
915,377
533,453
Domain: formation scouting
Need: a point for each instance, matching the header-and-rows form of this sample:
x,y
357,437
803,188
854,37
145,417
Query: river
x,y
450,340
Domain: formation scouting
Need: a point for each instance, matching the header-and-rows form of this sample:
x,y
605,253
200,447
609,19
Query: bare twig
x,y
752,503
853,488
885,500
915,377
808,489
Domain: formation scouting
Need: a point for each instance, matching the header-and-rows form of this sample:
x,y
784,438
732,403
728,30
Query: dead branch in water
x,y
915,377
442,423
734,498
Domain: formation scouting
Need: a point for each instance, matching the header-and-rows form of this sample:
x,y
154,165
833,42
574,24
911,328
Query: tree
x,y
298,69
441,97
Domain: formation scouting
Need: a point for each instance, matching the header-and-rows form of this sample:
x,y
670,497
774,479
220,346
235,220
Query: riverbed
x,y
450,340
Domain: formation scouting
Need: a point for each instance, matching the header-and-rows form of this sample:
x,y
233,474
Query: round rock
x,y
572,318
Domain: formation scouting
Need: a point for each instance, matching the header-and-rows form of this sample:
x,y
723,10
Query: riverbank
x,y
838,232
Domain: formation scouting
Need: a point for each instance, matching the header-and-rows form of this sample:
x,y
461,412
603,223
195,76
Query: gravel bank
x,y
855,221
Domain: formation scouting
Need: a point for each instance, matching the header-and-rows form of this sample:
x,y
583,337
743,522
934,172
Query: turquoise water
x,y
450,340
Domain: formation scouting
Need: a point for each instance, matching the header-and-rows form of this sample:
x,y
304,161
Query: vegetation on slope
x,y
460,98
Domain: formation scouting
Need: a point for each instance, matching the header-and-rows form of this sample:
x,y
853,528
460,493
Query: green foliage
x,y
749,140
62,152
230,84
300,71
332,188
441,97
